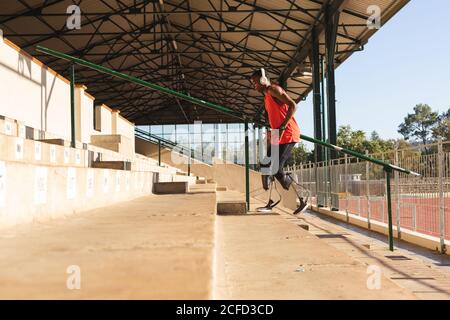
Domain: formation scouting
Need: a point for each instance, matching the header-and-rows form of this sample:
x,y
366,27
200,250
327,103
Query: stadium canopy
x,y
204,48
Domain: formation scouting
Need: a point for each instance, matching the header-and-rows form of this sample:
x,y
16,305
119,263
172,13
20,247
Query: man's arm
x,y
279,93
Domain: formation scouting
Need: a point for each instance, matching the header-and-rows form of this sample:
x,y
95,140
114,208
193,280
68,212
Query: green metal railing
x,y
388,168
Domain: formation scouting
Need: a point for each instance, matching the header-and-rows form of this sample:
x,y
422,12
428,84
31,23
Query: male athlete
x,y
280,109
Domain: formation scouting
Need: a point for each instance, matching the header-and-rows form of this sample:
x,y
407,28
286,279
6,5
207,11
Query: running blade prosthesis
x,y
303,195
268,183
300,191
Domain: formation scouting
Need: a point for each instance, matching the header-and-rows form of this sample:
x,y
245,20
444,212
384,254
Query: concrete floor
x,y
263,256
424,272
126,251
175,247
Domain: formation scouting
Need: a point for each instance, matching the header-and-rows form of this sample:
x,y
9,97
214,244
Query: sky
x,y
405,63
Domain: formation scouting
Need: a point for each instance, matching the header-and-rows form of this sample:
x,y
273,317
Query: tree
x,y
419,125
300,155
442,128
357,141
349,139
380,146
374,136
407,149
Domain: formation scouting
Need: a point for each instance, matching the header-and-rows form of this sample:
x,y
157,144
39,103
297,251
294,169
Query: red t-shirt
x,y
277,113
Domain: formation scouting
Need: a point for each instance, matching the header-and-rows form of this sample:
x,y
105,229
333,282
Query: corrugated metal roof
x,y
207,48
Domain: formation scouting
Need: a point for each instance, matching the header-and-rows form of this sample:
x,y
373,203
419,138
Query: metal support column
x,y
189,151
398,195
368,191
216,141
440,166
322,198
225,157
72,104
332,20
254,148
389,205
323,108
159,153
247,169
318,150
346,186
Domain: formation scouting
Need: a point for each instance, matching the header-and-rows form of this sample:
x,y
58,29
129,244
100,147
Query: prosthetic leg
x,y
268,183
303,195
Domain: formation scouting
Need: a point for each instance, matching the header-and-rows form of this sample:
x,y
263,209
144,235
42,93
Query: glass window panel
x,y
233,127
156,129
208,137
169,129
223,127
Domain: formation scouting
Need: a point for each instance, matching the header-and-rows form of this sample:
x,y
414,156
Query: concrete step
x,y
202,188
302,266
40,153
221,188
231,203
58,142
114,142
170,187
160,250
116,165
54,152
38,193
190,180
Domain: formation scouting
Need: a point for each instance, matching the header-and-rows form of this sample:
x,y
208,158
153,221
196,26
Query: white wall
x,y
123,127
32,94
84,117
104,118
39,98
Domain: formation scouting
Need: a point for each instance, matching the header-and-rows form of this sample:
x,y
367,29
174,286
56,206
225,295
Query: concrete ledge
x,y
39,193
231,203
106,138
116,165
170,187
115,142
409,236
58,142
231,208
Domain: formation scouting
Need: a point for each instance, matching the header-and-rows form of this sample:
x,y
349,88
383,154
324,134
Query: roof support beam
x,y
304,48
332,22
317,108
